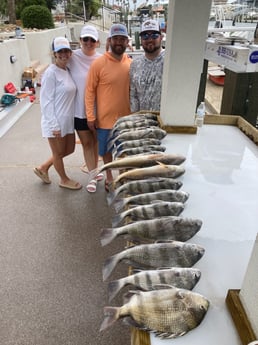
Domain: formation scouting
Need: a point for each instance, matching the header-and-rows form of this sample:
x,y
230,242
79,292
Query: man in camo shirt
x,y
146,71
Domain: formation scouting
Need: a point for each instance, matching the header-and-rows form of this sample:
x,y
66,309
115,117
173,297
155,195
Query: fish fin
x,y
180,294
131,245
114,287
111,315
109,265
128,320
161,164
118,205
163,286
128,295
157,201
133,240
136,270
107,235
164,335
116,220
164,241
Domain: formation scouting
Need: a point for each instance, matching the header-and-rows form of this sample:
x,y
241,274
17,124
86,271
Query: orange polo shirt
x,y
107,90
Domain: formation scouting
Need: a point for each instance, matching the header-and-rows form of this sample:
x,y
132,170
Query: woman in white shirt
x,y
57,107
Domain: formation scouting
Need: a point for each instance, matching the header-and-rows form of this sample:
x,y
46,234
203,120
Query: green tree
x,y
21,4
38,17
91,7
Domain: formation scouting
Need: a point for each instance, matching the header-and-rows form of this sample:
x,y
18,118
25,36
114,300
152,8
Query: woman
x,y
57,107
79,66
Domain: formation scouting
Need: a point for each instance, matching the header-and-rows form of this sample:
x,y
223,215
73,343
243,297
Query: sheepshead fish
x,y
180,277
132,124
158,229
126,130
169,313
150,211
155,255
152,132
141,149
143,161
128,144
136,116
147,198
144,186
159,170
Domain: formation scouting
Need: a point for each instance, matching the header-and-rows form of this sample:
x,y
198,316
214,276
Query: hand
x,y
91,125
57,134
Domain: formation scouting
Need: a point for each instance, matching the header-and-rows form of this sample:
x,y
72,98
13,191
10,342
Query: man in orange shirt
x,y
107,91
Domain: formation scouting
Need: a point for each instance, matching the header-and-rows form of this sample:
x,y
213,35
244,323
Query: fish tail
x,y
109,265
107,235
113,288
116,220
111,315
115,153
118,205
110,143
119,153
110,197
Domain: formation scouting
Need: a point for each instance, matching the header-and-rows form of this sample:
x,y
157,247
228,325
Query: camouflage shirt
x,y
146,83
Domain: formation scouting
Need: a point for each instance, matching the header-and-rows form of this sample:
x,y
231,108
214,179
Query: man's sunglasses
x,y
153,35
86,39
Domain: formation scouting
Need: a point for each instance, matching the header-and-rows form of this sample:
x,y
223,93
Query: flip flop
x,y
84,169
71,184
99,177
92,186
42,175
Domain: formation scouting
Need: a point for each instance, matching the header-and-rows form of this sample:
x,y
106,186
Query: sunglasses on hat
x,y
86,39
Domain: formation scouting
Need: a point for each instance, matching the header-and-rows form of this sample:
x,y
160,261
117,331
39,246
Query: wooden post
x,y
243,304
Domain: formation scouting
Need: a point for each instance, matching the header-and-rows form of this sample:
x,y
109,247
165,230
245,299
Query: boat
x,y
216,75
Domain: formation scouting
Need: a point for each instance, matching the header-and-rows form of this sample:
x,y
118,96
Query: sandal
x,y
84,169
92,186
99,177
71,184
42,175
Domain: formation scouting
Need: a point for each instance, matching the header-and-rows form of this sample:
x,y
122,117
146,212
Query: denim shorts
x,y
103,135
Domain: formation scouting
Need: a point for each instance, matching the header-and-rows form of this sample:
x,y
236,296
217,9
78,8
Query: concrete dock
x,y
51,288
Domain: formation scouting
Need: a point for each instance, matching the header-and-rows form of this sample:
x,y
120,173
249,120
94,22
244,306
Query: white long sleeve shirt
x,y
57,95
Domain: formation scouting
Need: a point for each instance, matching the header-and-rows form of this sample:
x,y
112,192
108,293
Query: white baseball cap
x,y
60,43
89,31
150,25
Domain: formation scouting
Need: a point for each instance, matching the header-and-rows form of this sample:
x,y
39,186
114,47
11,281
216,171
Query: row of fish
x,y
148,203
